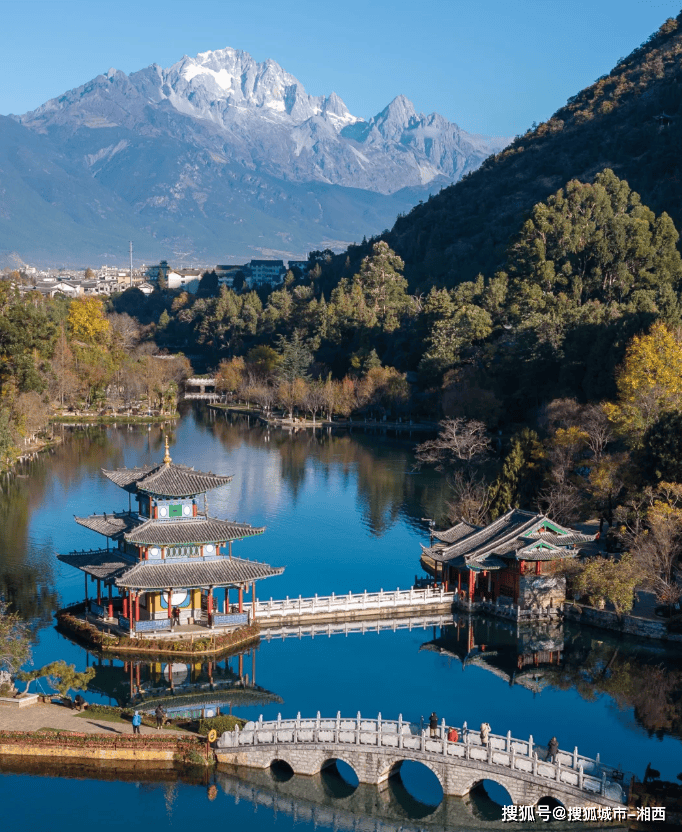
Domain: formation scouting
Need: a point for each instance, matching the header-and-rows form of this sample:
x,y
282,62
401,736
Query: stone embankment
x,y
629,624
54,732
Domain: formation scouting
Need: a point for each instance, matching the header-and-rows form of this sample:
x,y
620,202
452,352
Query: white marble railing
x,y
568,768
320,604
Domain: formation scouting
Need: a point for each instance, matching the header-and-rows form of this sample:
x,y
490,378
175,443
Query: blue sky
x,y
492,66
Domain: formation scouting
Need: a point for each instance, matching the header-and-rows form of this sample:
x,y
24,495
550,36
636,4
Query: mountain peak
x,y
395,118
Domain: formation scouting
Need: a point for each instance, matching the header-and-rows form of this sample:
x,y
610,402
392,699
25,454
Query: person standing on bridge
x,y
433,724
485,733
552,748
453,735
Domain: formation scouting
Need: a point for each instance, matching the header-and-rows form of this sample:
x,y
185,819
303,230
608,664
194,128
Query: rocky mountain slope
x,y
218,158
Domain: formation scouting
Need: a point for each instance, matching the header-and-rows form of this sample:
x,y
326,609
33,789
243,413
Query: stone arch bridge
x,y
376,748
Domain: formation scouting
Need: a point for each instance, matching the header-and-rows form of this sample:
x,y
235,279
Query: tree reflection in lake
x,y
645,678
387,487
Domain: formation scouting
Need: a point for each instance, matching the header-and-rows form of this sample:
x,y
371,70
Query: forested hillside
x,y
629,120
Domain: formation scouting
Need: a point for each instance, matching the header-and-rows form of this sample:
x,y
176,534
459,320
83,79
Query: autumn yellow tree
x,y
649,382
230,375
87,322
88,330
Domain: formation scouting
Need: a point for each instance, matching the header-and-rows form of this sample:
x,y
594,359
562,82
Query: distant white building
x,y
187,279
51,287
266,271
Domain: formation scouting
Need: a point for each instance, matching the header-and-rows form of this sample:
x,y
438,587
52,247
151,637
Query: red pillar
x,y
111,604
137,606
209,601
227,599
170,598
459,582
241,599
253,601
99,592
471,584
125,604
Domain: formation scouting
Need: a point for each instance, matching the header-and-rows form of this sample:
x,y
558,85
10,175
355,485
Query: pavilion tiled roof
x,y
166,480
189,531
101,564
513,535
456,533
199,573
110,525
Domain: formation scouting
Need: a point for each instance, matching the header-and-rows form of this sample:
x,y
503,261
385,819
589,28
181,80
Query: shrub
x,y
220,724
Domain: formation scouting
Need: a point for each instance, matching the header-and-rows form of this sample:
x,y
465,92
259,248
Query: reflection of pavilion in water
x,y
519,655
188,689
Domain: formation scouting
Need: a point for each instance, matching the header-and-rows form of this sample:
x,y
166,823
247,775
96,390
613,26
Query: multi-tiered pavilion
x,y
169,557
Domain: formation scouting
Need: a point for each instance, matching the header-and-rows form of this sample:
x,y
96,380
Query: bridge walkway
x,y
376,748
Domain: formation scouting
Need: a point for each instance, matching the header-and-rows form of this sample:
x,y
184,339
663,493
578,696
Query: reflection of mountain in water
x,y
388,488
322,801
182,689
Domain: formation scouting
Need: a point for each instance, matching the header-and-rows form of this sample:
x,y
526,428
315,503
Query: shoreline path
x,y
61,718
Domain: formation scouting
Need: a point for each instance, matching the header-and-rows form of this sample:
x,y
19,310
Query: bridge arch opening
x,y
487,799
416,787
339,777
281,771
547,805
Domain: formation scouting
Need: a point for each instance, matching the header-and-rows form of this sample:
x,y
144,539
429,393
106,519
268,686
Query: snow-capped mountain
x,y
222,156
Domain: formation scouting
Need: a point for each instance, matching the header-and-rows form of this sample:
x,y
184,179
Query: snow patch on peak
x,y
222,78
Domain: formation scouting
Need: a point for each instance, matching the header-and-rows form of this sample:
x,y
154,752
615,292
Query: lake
x,y
343,513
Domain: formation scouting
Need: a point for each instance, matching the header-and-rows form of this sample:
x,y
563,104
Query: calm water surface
x,y
342,513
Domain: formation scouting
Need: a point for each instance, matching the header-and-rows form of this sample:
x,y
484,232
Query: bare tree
x,y
470,498
458,442
314,399
265,395
657,546
597,428
561,500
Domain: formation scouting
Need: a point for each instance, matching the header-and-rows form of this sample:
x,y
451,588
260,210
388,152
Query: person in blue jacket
x,y
137,721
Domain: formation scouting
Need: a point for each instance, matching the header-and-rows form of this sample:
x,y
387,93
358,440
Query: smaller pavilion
x,y
511,560
169,556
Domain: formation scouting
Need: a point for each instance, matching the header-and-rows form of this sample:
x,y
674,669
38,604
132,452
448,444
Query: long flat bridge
x,y
399,603
376,748
203,389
